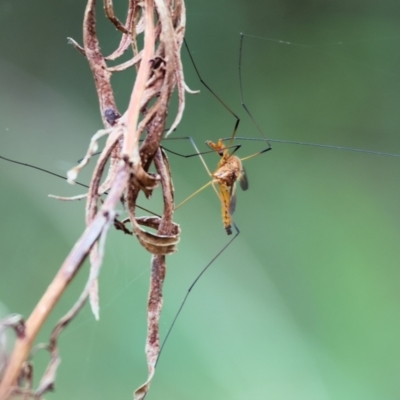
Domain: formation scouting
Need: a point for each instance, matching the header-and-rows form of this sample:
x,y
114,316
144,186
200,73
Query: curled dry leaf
x,y
156,243
16,322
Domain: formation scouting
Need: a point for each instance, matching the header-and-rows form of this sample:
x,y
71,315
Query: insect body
x,y
230,169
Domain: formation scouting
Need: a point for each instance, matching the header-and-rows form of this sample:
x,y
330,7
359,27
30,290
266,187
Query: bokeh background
x,y
305,303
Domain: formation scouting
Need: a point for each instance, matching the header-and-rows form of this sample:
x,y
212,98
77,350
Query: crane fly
x,y
230,170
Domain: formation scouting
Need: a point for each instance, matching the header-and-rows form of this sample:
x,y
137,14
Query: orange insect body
x,y
229,170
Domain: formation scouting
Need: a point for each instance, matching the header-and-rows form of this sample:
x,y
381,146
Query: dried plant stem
x,y
158,270
101,75
89,237
159,71
131,144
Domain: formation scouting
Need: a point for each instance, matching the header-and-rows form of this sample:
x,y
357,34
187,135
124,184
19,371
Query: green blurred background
x,y
305,303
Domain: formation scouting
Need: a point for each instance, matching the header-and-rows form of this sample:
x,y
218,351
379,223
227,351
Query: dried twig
x,y
159,71
158,270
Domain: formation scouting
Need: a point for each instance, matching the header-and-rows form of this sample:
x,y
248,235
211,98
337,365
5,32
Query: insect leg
x,y
199,154
237,122
192,286
61,177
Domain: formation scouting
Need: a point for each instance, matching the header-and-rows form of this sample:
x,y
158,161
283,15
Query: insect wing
x,y
244,182
232,202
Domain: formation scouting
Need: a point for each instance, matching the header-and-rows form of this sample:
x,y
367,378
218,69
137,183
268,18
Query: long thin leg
x,y
352,149
244,104
62,177
234,147
207,169
324,146
223,194
233,136
201,157
193,194
198,153
235,128
192,286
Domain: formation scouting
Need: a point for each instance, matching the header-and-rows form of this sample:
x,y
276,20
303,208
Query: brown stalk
x,y
159,71
158,270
